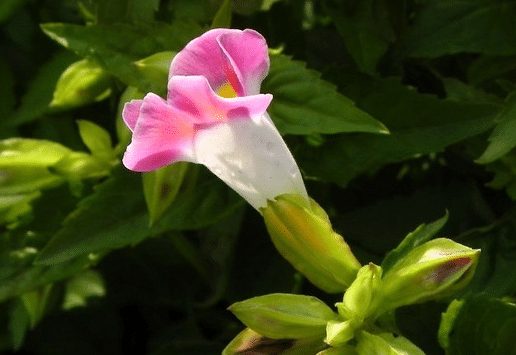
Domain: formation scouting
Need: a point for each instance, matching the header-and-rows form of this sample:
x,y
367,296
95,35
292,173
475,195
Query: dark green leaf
x,y
365,28
223,16
422,234
479,326
419,124
304,104
481,26
503,137
7,8
117,46
116,216
36,100
109,11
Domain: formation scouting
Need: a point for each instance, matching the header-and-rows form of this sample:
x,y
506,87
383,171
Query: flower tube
x,y
215,116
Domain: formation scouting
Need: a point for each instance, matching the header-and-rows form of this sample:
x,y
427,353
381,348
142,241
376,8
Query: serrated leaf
x,y
304,104
81,83
478,26
479,326
419,124
503,137
117,46
116,216
284,316
419,236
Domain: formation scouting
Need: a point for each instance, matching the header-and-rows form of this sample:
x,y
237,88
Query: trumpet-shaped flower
x,y
215,116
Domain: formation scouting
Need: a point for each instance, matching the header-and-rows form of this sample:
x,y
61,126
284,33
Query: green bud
x,y
432,270
81,83
385,344
284,316
302,233
363,298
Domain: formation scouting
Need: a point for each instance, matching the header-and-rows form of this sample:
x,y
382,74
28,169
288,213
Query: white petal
x,y
251,157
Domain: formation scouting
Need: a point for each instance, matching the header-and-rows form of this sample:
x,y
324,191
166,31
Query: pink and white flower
x,y
214,115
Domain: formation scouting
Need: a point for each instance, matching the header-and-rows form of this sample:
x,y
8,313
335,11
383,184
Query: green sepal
x,y
433,270
82,83
302,233
156,67
385,344
161,186
284,316
97,140
339,333
250,342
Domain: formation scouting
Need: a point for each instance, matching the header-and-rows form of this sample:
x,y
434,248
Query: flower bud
x,y
433,270
302,233
363,298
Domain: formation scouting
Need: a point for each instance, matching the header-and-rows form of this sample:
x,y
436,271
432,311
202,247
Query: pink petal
x,y
248,53
162,135
131,112
194,95
223,56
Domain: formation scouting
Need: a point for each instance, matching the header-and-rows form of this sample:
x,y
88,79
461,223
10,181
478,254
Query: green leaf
x,y
35,102
419,124
479,26
304,104
115,216
19,324
81,83
284,316
222,18
421,235
365,28
117,46
109,11
479,326
97,140
161,187
503,137
489,67
82,286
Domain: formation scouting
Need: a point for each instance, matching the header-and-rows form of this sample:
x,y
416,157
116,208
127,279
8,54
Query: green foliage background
x,y
396,111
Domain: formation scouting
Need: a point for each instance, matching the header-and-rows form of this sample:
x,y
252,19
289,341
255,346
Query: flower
x,y
214,115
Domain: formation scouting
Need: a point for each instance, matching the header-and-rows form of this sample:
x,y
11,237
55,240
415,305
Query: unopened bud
x,y
433,270
302,233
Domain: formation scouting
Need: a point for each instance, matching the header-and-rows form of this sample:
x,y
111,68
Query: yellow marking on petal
x,y
227,91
